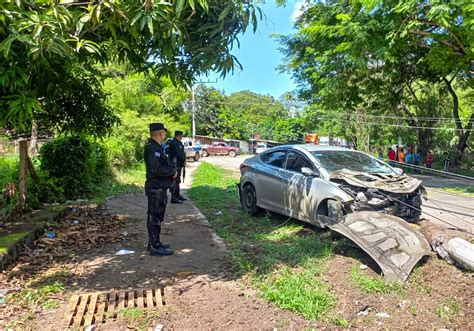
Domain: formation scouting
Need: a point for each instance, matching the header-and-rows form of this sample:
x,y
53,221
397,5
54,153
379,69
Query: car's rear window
x,y
352,160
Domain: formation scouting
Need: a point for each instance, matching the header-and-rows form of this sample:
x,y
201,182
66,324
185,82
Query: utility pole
x,y
193,109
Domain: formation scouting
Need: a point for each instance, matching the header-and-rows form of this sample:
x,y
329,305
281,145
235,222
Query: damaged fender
x,y
389,240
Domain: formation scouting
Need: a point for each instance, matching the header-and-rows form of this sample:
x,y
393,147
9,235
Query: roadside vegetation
x,y
465,190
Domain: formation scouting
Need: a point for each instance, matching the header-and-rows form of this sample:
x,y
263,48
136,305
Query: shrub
x,y
9,173
77,163
44,190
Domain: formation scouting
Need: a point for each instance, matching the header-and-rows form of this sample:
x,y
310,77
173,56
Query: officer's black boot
x,y
160,251
154,231
148,245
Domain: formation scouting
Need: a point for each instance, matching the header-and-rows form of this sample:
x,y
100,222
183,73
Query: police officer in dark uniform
x,y
177,156
159,178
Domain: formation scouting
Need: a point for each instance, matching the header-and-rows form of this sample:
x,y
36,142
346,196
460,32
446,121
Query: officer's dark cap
x,y
178,133
157,127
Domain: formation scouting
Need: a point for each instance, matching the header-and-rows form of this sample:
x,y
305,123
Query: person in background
x,y
446,162
429,160
380,154
401,155
397,148
391,156
409,156
417,161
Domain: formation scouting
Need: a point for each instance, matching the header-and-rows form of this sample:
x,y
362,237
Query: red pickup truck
x,y
219,148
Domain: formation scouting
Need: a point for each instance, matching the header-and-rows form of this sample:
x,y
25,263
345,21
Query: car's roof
x,y
315,148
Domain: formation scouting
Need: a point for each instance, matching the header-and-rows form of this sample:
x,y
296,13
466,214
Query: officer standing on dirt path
x,y
159,178
178,158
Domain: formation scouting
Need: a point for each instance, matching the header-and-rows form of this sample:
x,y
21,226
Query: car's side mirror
x,y
308,172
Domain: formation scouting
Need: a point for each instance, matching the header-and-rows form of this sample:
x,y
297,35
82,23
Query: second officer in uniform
x,y
177,156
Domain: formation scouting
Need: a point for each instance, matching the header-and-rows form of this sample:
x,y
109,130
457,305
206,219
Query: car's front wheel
x,y
335,210
205,154
335,213
249,200
232,154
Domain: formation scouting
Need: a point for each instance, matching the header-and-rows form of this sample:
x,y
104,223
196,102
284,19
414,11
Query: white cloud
x,y
299,7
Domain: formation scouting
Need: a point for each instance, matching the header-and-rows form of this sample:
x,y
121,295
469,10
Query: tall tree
x,y
48,50
446,30
361,57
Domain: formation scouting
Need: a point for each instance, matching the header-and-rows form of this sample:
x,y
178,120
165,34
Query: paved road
x,y
442,208
450,210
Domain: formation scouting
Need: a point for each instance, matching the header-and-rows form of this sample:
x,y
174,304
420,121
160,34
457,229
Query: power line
x,y
395,116
414,208
436,171
401,126
340,113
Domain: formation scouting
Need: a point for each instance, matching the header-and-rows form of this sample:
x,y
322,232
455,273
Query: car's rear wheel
x,y
249,200
196,157
205,154
232,154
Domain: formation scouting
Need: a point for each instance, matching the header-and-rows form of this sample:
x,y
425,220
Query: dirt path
x,y
198,293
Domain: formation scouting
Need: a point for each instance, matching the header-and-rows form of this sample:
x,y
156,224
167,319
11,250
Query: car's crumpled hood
x,y
389,183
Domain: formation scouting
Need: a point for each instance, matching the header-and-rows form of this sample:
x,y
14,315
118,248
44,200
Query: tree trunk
x,y
23,170
34,139
463,133
462,144
424,141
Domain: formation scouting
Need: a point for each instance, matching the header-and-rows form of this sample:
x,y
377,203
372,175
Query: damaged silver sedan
x,y
348,191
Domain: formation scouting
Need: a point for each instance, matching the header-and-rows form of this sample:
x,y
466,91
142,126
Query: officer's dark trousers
x,y
175,189
157,200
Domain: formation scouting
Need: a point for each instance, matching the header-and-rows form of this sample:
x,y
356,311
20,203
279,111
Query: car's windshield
x,y
352,160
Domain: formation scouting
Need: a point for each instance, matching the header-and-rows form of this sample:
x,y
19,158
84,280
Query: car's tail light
x,y
243,166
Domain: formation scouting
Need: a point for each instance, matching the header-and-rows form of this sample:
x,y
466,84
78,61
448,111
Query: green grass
x,y
466,190
371,285
9,170
7,240
42,291
24,322
448,309
124,181
9,173
138,318
41,296
284,262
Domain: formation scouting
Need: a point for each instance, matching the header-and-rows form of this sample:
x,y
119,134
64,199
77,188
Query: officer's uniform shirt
x,y
159,172
176,150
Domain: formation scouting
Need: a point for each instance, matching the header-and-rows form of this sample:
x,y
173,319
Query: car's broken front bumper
x,y
389,240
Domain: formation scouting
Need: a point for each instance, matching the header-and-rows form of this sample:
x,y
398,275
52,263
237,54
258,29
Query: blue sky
x,y
259,55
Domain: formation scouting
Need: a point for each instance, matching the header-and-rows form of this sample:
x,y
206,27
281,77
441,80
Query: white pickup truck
x,y
192,149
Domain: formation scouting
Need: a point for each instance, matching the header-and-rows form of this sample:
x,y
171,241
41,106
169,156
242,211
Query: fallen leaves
x,y
83,228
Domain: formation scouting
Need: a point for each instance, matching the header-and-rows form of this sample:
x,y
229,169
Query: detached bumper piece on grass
x,y
389,240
